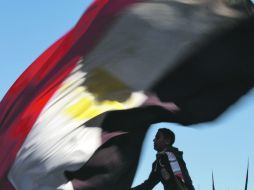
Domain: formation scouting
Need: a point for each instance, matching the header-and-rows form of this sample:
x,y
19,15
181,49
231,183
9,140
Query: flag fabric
x,y
84,105
213,78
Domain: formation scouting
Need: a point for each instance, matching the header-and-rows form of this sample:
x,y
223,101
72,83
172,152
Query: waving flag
x,y
58,124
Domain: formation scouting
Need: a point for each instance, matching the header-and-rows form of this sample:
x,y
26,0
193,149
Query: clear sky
x,y
224,146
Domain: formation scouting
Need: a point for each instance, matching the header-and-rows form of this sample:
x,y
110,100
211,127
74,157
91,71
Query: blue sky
x,y
224,146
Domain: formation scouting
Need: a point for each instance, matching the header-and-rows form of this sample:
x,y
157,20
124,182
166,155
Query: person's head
x,y
163,139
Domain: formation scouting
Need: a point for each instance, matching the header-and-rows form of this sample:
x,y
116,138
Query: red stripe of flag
x,y
26,98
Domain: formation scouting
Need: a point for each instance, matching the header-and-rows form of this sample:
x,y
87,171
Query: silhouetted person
x,y
169,167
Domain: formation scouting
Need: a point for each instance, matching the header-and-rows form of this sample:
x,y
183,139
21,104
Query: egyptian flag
x,y
76,118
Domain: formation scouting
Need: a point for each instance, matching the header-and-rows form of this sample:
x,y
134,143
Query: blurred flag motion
x,y
76,118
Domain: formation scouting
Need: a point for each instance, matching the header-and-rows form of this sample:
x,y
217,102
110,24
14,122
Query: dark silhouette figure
x,y
169,167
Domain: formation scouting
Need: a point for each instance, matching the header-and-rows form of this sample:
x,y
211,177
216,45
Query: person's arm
x,y
186,174
184,171
167,173
152,180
